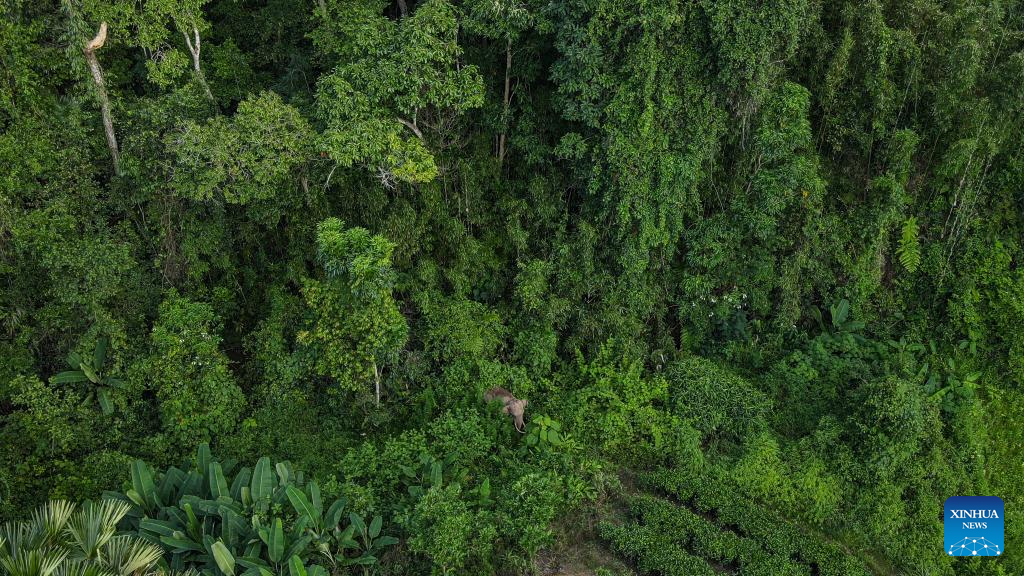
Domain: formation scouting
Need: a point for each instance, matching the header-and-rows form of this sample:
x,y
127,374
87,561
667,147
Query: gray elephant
x,y
512,406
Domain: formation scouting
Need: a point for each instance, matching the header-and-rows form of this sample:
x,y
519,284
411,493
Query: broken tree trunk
x,y
101,93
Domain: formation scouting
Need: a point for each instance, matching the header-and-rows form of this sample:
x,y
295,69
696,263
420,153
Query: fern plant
x,y
909,250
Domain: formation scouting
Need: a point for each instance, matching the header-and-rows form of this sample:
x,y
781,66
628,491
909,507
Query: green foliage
x,y
909,249
392,76
63,538
197,396
92,370
357,326
255,155
716,401
774,248
654,552
543,433
711,492
616,410
684,527
447,531
217,516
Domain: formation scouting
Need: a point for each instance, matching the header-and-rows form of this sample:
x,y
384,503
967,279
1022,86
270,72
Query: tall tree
x,y
356,326
395,89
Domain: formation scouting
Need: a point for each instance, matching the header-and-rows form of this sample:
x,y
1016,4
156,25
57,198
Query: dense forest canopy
x,y
754,269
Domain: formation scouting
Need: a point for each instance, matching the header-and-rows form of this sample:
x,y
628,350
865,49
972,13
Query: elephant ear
x,y
525,402
510,403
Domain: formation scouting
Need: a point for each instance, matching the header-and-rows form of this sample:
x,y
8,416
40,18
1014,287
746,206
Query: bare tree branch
x,y
412,127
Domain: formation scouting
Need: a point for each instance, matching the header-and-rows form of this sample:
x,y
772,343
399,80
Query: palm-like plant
x,y
59,540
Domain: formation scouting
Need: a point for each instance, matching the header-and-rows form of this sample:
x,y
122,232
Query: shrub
x,y
267,518
63,538
715,400
189,374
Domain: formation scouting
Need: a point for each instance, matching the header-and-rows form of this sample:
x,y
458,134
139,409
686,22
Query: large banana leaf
x,y
252,562
103,395
335,512
218,484
274,538
203,457
170,484
303,506
262,479
69,377
241,480
225,560
179,544
314,497
99,356
142,484
159,527
233,526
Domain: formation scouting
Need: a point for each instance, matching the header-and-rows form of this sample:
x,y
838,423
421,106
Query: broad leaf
x,y
375,525
295,567
99,356
333,517
225,561
275,541
69,377
103,395
203,457
357,523
302,505
218,484
142,483
262,479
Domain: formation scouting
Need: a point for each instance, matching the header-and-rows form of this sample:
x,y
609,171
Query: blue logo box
x,y
973,526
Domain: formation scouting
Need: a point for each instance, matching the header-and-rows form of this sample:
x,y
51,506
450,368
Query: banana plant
x,y
333,541
842,328
365,541
92,370
952,387
906,353
227,520
217,515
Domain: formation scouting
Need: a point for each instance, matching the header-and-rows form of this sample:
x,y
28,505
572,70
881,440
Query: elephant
x,y
512,406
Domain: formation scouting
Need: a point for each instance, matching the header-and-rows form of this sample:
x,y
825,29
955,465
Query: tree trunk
x,y
194,49
101,93
376,376
506,101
